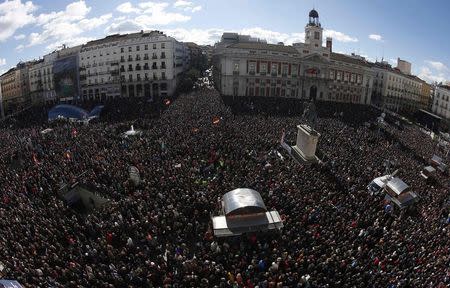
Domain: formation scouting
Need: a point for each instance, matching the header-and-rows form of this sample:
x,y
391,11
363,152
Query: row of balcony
x,y
138,58
154,78
139,68
124,80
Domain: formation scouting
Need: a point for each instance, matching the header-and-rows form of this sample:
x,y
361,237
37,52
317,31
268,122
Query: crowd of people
x,y
159,234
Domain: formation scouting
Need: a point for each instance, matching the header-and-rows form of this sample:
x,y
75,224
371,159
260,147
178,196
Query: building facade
x,y
40,74
15,88
395,90
441,101
143,64
244,66
425,99
150,63
99,69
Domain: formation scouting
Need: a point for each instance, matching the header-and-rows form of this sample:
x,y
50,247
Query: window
x,y
285,69
346,76
163,55
130,77
317,35
121,50
274,68
339,75
154,46
146,47
138,48
236,67
251,67
294,70
129,49
353,78
263,68
331,74
163,45
138,76
163,75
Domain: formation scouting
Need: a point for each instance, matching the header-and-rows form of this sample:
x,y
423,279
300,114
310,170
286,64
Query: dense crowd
x,y
159,234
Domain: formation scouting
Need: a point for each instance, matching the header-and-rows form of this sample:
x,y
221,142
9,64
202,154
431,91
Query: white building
x,y
42,88
244,66
441,99
395,90
99,68
150,63
143,64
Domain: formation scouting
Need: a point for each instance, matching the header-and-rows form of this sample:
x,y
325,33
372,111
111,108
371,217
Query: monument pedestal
x,y
305,149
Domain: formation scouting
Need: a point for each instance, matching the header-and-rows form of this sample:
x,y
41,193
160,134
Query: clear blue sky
x,y
417,31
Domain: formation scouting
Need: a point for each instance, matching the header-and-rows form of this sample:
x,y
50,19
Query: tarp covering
x,y
67,111
70,111
96,111
10,284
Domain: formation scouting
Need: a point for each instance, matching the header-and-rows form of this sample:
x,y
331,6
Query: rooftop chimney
x,y
330,44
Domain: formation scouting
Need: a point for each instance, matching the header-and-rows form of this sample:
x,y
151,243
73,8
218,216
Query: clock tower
x,y
313,30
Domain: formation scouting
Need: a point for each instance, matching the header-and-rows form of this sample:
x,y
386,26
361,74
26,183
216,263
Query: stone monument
x,y
305,148
307,137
